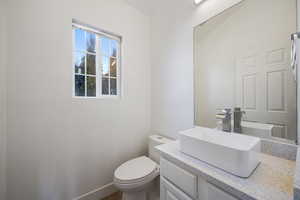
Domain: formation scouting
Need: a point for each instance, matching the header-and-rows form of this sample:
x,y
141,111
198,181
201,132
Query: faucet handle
x,y
227,111
224,112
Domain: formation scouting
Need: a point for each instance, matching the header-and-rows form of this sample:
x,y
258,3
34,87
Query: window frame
x,y
99,62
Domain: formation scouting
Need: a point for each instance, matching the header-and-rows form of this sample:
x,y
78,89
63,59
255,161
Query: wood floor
x,y
118,196
115,196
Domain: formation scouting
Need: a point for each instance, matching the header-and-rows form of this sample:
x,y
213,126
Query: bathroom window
x,y
96,63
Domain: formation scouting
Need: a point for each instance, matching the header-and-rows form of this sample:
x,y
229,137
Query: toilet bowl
x,y
136,178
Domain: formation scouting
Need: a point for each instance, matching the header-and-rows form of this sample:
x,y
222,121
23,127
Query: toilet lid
x,y
135,169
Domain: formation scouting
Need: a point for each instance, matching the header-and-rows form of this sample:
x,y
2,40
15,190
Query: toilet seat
x,y
137,171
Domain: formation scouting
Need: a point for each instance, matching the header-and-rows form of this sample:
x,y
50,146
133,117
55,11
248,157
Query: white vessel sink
x,y
234,153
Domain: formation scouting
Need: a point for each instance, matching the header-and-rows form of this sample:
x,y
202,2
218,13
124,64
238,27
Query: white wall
x,y
59,147
2,100
172,61
51,154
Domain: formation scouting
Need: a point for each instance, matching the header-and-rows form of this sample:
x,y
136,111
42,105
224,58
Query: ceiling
x,y
145,6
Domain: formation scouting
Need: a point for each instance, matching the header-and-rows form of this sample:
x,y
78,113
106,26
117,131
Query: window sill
x,y
99,97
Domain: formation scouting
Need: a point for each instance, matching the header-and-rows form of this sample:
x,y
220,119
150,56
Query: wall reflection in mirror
x,y
243,70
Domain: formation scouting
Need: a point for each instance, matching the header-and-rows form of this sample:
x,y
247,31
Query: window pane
x,y
114,48
105,66
79,85
79,63
91,42
91,64
105,43
80,44
113,67
105,86
113,86
91,86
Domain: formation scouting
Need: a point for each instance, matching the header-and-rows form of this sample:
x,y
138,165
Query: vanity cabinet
x,y
177,183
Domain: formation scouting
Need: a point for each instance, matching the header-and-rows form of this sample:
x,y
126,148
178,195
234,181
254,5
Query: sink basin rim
x,y
221,138
223,150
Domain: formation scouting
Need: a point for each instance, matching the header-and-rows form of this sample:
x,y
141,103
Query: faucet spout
x,y
225,116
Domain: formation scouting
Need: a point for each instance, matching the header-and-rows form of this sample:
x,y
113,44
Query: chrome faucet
x,y
225,116
237,120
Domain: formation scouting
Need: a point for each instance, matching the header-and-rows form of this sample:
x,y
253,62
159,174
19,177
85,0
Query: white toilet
x,y
136,178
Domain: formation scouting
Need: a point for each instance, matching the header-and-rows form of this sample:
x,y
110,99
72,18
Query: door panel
x,y
276,90
249,92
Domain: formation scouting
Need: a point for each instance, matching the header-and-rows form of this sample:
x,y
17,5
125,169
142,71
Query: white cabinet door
x,y
208,191
214,193
170,192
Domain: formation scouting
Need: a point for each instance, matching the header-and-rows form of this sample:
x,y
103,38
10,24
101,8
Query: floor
x,y
154,194
115,196
118,196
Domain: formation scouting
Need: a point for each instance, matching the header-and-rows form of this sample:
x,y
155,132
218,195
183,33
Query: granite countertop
x,y
297,178
272,180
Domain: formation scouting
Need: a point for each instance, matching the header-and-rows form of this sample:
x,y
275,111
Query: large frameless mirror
x,y
243,70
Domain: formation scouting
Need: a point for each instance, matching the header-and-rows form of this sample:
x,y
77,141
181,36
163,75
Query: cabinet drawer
x,y
183,179
171,192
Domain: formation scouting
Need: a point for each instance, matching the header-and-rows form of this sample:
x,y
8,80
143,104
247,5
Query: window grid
x,y
109,76
99,66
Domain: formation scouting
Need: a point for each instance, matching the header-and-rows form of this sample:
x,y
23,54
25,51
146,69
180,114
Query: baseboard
x,y
98,193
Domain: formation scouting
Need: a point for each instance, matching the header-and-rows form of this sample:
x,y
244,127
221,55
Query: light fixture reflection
x,y
197,1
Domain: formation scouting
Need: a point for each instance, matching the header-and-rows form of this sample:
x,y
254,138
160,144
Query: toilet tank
x,y
155,140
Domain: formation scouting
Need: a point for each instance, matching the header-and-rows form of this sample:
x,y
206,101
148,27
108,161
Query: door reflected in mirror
x,y
243,60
